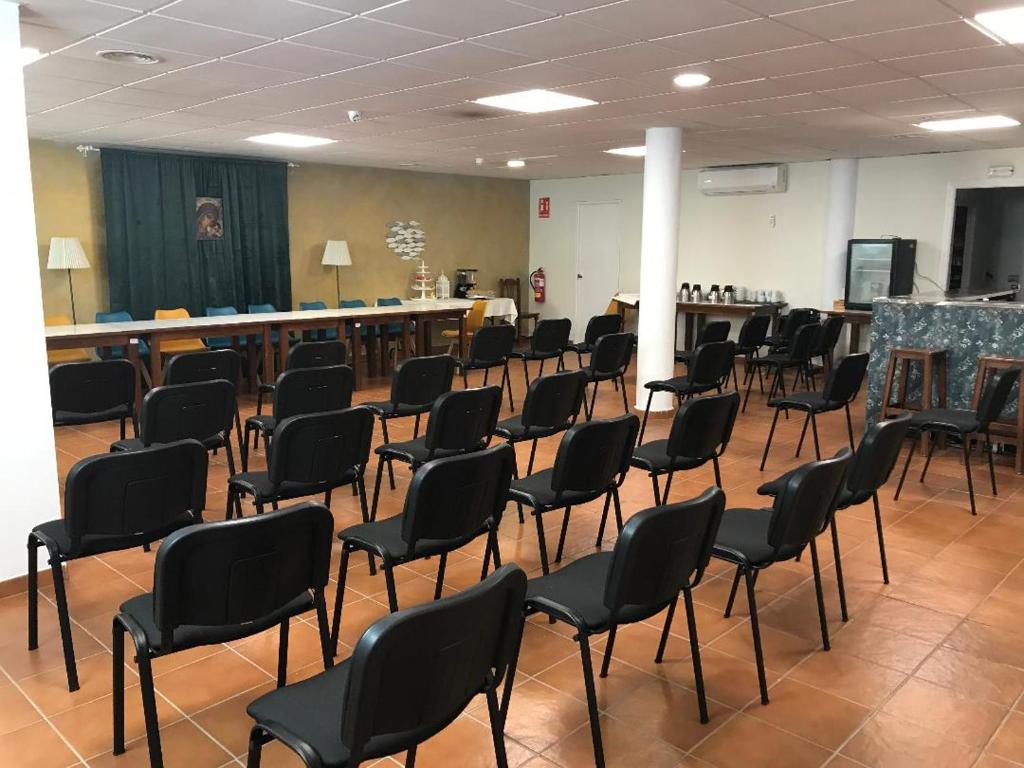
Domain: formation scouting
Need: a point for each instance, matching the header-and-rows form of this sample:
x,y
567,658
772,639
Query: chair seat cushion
x,y
268,387
258,484
580,347
948,419
536,491
135,444
593,376
847,498
90,545
64,418
386,535
683,355
579,587
806,401
512,429
140,608
263,422
679,385
528,354
743,536
312,711
653,457
413,451
477,365
388,409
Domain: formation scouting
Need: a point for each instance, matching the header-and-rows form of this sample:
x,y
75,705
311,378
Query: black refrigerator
x,y
874,268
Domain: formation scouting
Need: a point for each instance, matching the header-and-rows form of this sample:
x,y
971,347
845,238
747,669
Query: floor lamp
x,y
336,255
66,253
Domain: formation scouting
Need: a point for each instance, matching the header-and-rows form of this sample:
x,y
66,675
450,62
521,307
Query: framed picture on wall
x,y
209,218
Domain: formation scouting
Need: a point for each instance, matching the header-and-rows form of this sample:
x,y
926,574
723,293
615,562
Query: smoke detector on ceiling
x,y
128,57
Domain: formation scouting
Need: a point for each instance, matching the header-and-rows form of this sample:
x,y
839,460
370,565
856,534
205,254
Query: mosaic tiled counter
x,y
966,329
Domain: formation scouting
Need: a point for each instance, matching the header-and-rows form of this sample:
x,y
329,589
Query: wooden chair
x,y
1011,430
509,288
178,345
54,356
474,322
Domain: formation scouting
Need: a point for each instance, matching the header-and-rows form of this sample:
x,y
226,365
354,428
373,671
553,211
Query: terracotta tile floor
x,y
928,671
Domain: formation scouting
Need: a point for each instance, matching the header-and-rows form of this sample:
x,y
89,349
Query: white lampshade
x,y
66,253
336,254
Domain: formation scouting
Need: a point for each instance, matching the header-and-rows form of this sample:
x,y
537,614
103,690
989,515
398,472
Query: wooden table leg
x,y
253,361
371,349
406,339
385,346
133,356
156,363
854,338
268,354
283,338
426,329
355,355
688,337
1019,459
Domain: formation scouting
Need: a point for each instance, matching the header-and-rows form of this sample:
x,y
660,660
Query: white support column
x,y
839,215
28,462
659,251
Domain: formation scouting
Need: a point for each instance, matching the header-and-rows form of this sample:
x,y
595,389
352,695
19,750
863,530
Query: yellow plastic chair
x,y
54,356
474,322
175,346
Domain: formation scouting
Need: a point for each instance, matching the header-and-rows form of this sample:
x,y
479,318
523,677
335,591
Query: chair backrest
x,y
177,313
806,503
754,331
995,395
709,361
421,380
412,672
716,330
261,309
796,319
240,571
137,496
351,303
306,306
202,410
877,454
492,344
453,499
321,448
554,400
551,335
463,420
845,378
661,550
57,320
224,311
316,354
313,390
509,288
190,367
828,335
475,317
388,301
114,317
702,427
595,454
92,387
802,342
602,325
612,353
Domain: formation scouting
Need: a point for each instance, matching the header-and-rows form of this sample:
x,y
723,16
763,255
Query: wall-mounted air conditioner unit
x,y
743,180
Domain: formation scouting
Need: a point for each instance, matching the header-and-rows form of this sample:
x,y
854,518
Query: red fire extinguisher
x,y
537,281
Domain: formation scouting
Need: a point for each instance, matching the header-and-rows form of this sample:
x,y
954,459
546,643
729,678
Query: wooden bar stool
x,y
1012,431
933,366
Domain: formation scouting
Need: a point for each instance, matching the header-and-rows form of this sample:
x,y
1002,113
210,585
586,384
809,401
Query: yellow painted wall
x,y
469,222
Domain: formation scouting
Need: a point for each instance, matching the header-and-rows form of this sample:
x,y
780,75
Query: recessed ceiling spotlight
x,y
290,140
516,163
969,123
537,100
29,54
128,57
1007,25
628,151
691,79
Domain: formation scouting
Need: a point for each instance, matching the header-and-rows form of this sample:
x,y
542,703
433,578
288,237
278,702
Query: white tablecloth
x,y
503,308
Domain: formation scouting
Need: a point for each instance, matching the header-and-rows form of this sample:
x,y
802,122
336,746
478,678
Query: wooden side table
x,y
1011,431
933,366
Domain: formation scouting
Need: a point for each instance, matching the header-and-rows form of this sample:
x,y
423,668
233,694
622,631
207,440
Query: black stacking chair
x,y
597,326
661,552
451,502
591,462
297,392
213,364
460,422
841,388
92,392
702,375
313,453
789,324
752,337
204,411
828,337
416,383
220,582
716,330
490,348
963,424
549,341
112,502
410,675
755,539
307,354
700,433
796,356
609,361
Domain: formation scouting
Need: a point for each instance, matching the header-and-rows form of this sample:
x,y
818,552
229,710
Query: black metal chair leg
x,y
541,543
732,591
881,538
839,570
391,471
647,411
533,453
64,618
497,731
415,429
668,487
771,434
156,759
618,508
814,433
607,660
604,518
376,488
755,629
593,400
117,644
508,384
967,468
910,455
245,449
323,629
33,592
718,471
256,741
820,594
526,375
803,434
928,458
588,680
657,491
991,464
339,599
389,580
669,615
849,426
561,536
698,671
282,655
440,574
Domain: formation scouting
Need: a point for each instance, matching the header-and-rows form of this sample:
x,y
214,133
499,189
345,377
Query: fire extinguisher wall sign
x,y
538,284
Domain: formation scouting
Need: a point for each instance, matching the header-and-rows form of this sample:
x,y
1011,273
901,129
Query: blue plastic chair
x,y
258,309
222,342
323,334
353,304
394,329
115,352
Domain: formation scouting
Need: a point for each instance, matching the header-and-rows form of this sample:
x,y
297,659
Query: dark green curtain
x,y
154,259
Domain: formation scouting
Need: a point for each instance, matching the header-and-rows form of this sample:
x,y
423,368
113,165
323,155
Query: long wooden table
x,y
696,313
855,318
261,326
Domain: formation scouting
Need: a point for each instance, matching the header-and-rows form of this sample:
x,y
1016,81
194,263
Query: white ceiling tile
x,y
957,61
272,18
73,16
390,76
1003,100
139,97
921,108
556,38
459,18
562,6
47,38
96,70
770,7
160,32
648,19
631,59
303,59
375,39
842,77
464,59
349,6
949,36
550,74
880,93
740,39
792,61
863,17
614,88
996,78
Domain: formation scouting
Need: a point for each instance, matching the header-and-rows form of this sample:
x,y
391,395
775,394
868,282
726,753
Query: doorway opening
x,y
987,239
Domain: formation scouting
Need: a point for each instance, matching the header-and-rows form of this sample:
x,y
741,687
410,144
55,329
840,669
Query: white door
x,y
598,242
